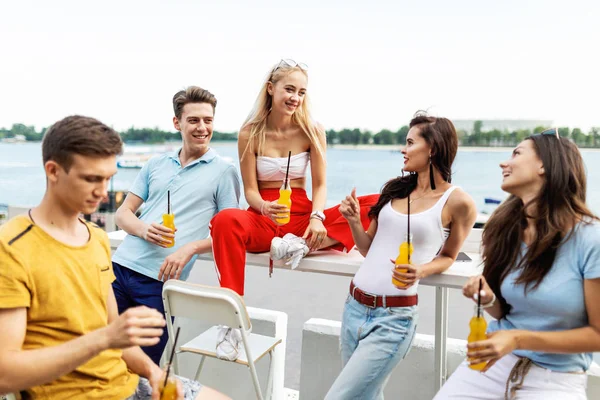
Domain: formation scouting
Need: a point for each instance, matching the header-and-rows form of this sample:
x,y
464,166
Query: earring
x,y
431,179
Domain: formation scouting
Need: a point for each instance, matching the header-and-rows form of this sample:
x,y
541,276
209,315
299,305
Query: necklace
x,y
420,197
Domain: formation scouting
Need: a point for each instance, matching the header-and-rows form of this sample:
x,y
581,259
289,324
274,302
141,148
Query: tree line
x,y
131,135
476,137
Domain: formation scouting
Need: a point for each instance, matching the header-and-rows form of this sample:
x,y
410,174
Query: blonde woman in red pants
x,y
280,122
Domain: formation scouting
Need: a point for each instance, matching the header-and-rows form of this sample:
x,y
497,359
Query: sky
x,y
372,64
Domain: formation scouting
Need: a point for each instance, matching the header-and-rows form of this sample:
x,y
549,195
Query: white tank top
x,y
428,235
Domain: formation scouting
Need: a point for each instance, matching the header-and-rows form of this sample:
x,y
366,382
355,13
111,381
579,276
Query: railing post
x,y
441,335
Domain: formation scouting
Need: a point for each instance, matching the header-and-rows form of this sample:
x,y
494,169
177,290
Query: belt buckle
x,y
374,300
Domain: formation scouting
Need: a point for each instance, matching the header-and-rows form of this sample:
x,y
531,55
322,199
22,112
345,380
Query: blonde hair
x,y
257,119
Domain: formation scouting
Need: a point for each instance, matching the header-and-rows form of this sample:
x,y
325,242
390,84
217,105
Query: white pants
x,y
539,383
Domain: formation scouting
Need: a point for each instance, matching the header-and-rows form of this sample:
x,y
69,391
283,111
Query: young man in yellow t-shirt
x,y
61,335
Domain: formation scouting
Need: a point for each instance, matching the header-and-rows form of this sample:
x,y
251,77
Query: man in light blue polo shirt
x,y
200,183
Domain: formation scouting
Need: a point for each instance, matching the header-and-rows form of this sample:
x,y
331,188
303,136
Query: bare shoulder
x,y
321,134
461,203
244,133
244,142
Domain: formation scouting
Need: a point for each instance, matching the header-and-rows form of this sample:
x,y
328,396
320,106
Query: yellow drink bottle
x,y
169,222
285,198
478,326
404,257
169,392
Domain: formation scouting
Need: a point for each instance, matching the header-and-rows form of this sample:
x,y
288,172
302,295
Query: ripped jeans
x,y
372,342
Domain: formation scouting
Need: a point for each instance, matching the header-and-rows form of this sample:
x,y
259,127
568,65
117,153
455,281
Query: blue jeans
x,y
133,289
372,342
144,391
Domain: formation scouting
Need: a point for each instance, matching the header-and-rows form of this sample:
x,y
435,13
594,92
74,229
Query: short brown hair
x,y
79,135
192,94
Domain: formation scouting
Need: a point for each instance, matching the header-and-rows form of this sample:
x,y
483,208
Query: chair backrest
x,y
215,305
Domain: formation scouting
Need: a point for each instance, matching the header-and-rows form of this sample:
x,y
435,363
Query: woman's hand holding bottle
x,y
472,286
273,210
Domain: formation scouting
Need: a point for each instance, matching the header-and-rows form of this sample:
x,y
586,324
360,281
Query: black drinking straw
x,y
168,202
479,299
171,358
287,170
408,228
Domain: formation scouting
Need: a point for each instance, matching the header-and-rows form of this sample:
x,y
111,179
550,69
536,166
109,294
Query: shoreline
x,y
396,147
380,147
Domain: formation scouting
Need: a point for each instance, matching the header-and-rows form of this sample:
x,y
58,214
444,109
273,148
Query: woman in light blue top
x,y
541,281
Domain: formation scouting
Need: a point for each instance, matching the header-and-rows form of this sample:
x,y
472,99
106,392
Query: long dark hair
x,y
559,206
440,135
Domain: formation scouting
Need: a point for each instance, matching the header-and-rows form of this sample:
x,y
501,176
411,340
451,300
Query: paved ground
x,y
304,295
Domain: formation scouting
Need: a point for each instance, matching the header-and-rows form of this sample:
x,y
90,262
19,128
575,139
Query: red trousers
x,y
235,232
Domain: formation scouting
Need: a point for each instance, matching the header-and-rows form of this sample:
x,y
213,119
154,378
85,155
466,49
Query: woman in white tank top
x,y
380,318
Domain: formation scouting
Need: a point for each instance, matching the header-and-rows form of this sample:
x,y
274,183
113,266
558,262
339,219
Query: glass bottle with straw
x,y
285,196
169,219
405,251
478,326
169,387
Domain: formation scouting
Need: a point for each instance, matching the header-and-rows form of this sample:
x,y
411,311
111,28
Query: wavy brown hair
x,y
440,135
559,206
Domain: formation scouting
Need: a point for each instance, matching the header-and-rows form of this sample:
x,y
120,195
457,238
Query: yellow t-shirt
x,y
65,290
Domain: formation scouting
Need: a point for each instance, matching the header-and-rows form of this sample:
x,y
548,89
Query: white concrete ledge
x,y
412,378
337,263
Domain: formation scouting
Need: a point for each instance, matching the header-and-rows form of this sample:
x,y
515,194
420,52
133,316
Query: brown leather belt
x,y
373,300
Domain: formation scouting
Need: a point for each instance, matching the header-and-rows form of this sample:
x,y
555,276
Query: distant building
x,y
509,125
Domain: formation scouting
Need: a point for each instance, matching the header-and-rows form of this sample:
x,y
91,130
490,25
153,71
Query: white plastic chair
x,y
217,306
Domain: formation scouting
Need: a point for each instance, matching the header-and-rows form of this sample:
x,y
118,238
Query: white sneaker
x,y
228,343
290,248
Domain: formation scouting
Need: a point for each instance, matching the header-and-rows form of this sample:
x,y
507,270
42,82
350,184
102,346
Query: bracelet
x,y
318,215
262,206
490,303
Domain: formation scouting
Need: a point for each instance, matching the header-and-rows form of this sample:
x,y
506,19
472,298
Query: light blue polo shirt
x,y
198,191
558,303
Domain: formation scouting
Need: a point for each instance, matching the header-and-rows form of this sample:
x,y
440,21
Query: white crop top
x,y
273,168
375,273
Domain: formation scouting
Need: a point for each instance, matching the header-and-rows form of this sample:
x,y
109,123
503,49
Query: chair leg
x,y
269,392
175,365
254,375
197,377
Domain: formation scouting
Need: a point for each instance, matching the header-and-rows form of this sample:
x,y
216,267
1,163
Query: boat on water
x,y
133,161
14,139
481,219
137,161
490,200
